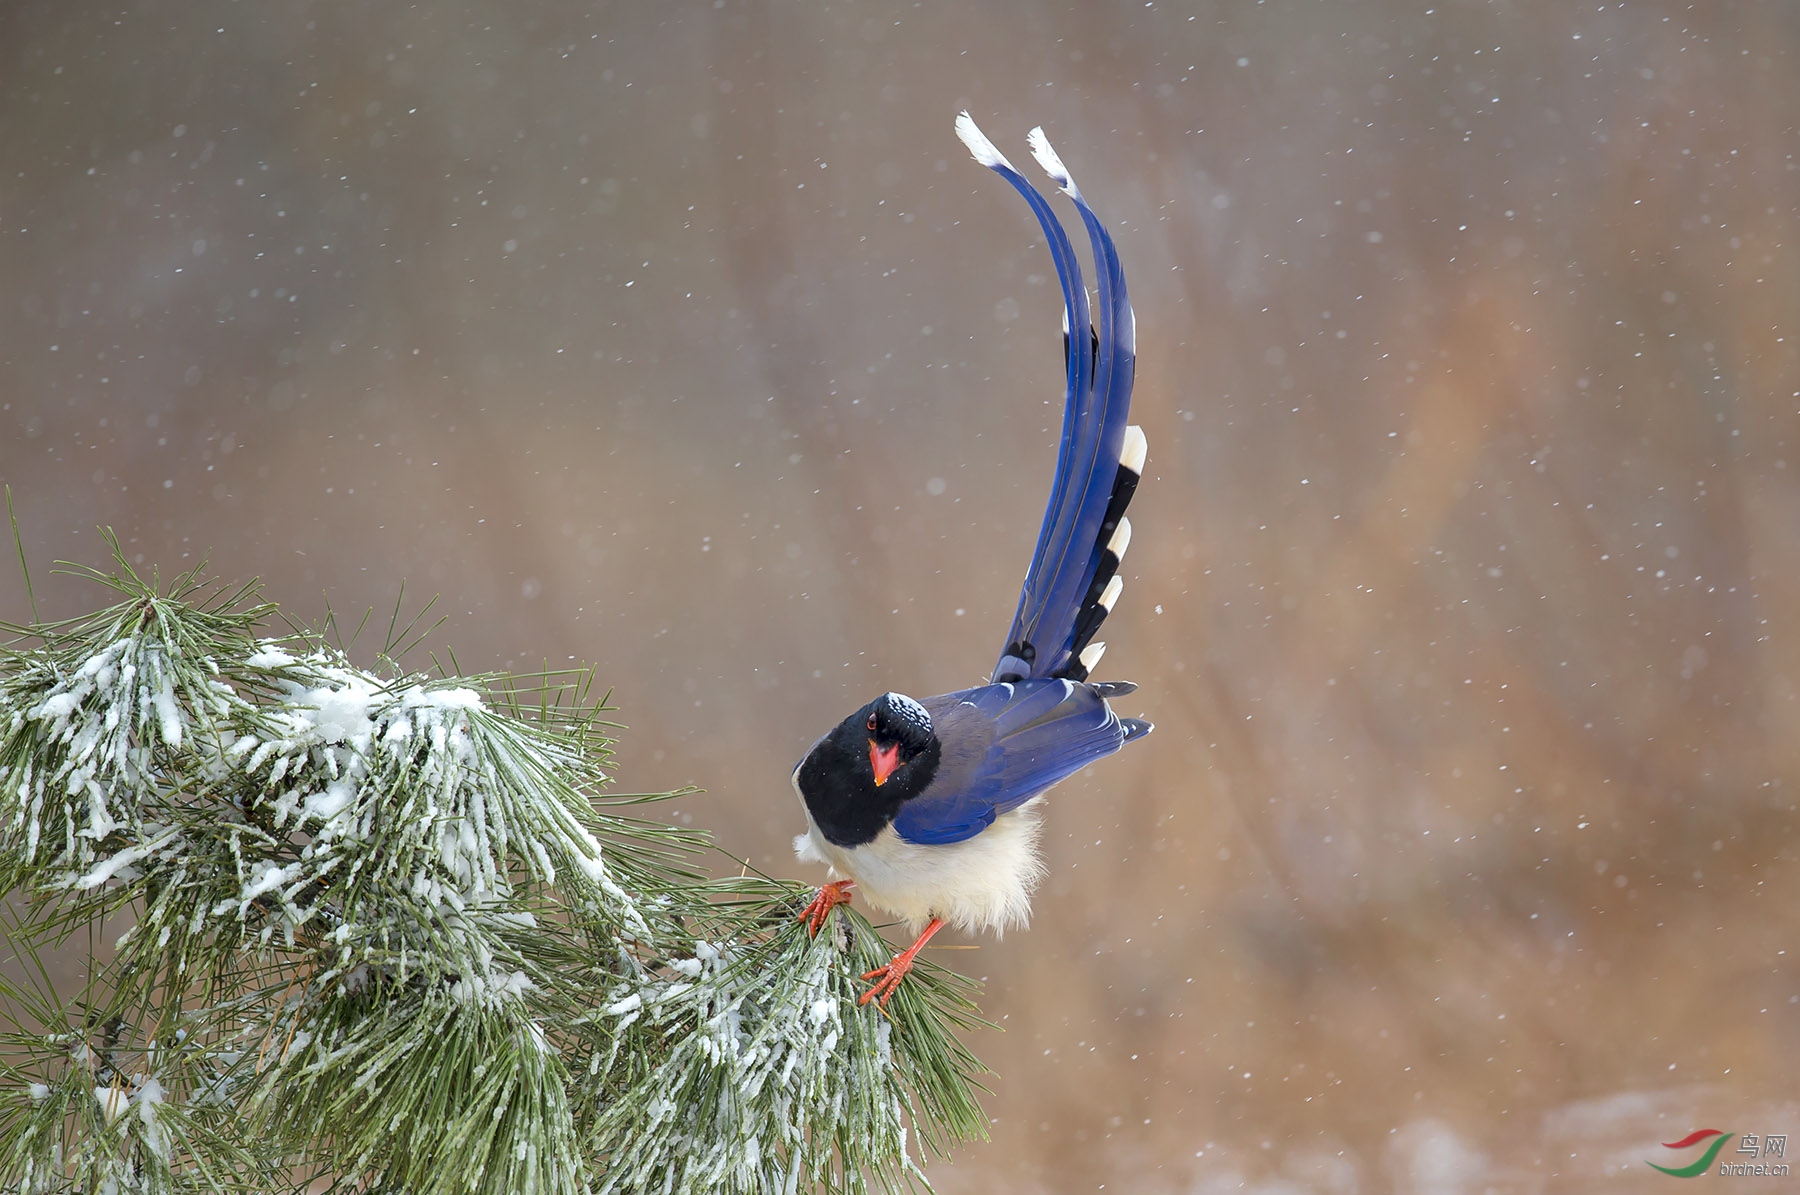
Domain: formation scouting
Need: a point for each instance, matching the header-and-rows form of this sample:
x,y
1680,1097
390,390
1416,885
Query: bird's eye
x,y
871,721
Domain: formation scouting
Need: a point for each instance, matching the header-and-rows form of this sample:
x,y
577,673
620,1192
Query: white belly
x,y
981,883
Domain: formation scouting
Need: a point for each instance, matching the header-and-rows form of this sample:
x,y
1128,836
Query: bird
x,y
931,807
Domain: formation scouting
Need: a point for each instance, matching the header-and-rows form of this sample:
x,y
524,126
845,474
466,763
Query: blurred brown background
x,y
684,338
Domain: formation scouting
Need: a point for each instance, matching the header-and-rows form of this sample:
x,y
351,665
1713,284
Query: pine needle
x,y
19,547
394,931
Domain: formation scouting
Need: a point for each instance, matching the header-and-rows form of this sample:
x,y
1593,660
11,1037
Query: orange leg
x,y
829,897
890,976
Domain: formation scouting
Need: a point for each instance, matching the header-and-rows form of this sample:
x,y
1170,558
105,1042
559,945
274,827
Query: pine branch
x,y
390,931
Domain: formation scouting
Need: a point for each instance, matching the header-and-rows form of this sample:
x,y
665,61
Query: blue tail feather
x,y
1059,606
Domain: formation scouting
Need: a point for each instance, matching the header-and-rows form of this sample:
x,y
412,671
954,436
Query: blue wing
x,y
1003,745
1065,595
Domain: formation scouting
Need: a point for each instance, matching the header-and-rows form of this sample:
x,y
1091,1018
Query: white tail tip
x,y
1111,593
1135,450
979,146
1048,159
1090,655
1121,539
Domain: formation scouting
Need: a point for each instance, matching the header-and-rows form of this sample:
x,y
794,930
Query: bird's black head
x,y
855,779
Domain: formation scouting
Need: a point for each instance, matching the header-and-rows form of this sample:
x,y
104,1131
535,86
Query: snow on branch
x,y
388,929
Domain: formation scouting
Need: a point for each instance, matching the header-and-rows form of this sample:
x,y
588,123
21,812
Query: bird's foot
x,y
828,898
888,978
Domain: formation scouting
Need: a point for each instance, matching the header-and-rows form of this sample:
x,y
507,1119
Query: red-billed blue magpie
x,y
929,807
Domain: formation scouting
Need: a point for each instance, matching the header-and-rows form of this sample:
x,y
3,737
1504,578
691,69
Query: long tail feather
x,y
1070,588
1020,658
1114,372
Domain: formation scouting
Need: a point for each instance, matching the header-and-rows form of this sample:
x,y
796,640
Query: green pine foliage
x,y
375,930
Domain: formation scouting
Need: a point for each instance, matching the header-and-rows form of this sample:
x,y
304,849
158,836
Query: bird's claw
x,y
828,898
889,979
